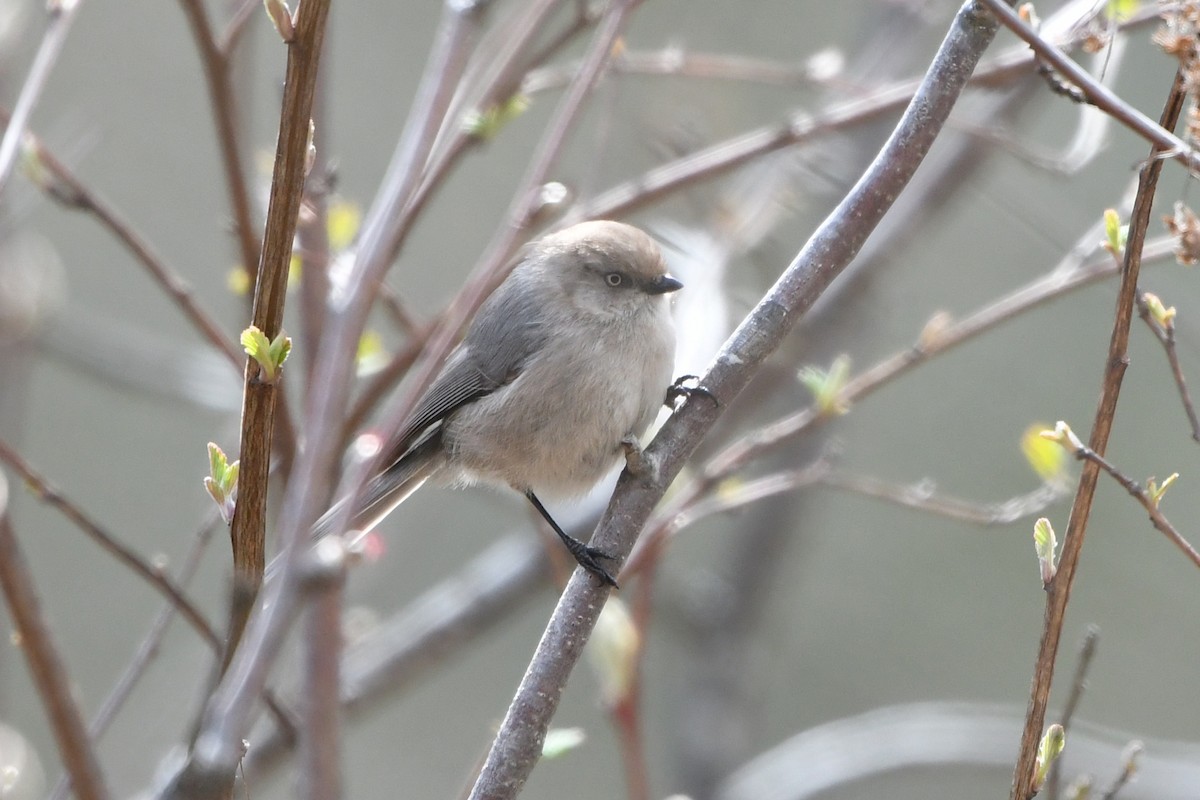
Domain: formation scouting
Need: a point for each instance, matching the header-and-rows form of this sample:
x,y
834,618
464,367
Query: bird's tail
x,y
382,494
387,490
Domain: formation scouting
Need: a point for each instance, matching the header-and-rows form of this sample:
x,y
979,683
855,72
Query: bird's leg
x,y
680,389
585,555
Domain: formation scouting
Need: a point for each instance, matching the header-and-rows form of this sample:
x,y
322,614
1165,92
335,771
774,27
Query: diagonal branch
x,y
517,746
1059,590
46,667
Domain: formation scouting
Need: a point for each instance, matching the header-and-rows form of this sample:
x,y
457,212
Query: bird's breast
x,y
557,427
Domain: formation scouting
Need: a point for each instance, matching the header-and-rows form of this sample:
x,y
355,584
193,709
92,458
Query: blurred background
x,y
818,644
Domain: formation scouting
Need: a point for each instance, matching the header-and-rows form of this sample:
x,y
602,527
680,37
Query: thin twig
x,y
921,497
61,14
238,22
63,187
1166,337
321,711
421,636
1087,651
517,746
674,62
500,77
46,667
148,648
49,494
1166,144
1059,589
726,155
1143,497
220,92
1129,759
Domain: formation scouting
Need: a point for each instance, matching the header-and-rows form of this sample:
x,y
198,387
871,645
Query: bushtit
x,y
569,358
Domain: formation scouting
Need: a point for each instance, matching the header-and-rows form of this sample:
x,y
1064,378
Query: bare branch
x,y
517,746
46,667
1059,590
61,15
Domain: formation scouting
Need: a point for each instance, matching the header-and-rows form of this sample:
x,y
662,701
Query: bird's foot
x,y
589,558
680,390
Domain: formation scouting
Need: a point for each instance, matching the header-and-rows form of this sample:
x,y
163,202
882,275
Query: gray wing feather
x,y
506,333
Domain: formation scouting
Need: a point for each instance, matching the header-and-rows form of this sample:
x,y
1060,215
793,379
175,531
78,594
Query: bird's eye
x,y
614,279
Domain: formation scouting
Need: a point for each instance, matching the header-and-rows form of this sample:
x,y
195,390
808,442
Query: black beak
x,y
663,284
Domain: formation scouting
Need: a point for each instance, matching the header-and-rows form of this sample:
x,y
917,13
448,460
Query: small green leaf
x,y
1156,492
487,123
281,18
1043,456
1165,317
1063,435
826,387
269,355
342,222
560,741
1122,10
1045,543
1115,234
221,482
1050,748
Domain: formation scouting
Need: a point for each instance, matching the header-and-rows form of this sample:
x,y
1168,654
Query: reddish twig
x,y
46,666
1059,589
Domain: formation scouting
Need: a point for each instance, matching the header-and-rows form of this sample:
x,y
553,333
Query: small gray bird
x,y
569,357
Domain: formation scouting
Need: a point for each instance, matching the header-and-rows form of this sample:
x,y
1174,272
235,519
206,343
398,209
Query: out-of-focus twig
x,y
61,14
421,636
220,92
52,175
148,648
321,711
46,667
50,495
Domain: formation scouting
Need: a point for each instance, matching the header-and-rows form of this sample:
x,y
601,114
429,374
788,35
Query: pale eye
x,y
614,279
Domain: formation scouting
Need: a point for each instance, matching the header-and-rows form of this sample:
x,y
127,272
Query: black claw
x,y
680,389
585,555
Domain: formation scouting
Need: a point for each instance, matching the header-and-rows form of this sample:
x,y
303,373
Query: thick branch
x,y
517,746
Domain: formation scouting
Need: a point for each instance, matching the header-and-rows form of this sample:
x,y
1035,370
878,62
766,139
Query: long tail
x,y
383,493
387,490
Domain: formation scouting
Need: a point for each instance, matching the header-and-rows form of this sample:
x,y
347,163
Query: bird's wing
x,y
506,333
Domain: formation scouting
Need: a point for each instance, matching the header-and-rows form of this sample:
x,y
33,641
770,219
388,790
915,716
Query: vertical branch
x,y
260,397
220,93
1058,593
46,667
217,750
518,744
321,724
